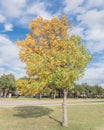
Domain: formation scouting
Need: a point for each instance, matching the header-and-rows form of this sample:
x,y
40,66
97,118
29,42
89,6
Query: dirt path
x,y
47,102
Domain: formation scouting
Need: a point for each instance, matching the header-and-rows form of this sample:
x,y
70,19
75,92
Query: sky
x,y
86,15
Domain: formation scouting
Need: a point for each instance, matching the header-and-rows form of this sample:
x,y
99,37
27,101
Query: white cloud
x,y
8,27
33,10
24,11
95,47
95,3
12,8
94,34
39,9
78,30
72,6
2,18
92,18
81,6
94,76
25,20
9,61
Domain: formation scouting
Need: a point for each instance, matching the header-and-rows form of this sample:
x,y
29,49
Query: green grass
x,y
88,117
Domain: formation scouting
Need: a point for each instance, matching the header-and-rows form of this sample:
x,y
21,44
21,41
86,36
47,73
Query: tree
x,y
55,57
99,90
79,90
7,84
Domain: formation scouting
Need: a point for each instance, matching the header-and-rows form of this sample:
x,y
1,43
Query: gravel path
x,y
26,102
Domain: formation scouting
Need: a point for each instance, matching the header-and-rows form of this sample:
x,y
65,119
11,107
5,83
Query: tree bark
x,y
40,96
64,107
7,93
54,94
3,91
0,93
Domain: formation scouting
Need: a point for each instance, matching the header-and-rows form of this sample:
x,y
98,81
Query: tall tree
x,y
54,56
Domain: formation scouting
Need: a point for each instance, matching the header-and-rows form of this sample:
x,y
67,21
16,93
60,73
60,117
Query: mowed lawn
x,y
81,117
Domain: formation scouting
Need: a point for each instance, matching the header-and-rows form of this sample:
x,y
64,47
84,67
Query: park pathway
x,y
46,102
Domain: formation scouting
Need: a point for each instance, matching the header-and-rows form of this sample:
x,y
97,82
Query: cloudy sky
x,y
88,19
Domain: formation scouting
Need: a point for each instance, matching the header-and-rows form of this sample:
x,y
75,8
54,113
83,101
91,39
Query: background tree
x,y
99,90
7,84
90,91
54,56
79,90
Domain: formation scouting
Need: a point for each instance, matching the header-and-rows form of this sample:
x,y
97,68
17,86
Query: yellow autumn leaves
x,y
52,54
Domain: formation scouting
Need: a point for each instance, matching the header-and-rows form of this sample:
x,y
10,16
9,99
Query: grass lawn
x,y
85,117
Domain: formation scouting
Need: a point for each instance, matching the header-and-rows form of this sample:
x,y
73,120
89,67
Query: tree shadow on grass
x,y
55,119
34,112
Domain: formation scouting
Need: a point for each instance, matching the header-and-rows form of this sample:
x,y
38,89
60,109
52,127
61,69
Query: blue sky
x,y
86,15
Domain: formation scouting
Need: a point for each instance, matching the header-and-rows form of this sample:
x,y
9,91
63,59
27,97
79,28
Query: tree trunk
x,y
64,107
40,96
7,93
10,95
54,94
3,95
0,93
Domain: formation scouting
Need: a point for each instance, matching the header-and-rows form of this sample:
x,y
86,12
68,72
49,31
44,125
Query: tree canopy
x,y
52,54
